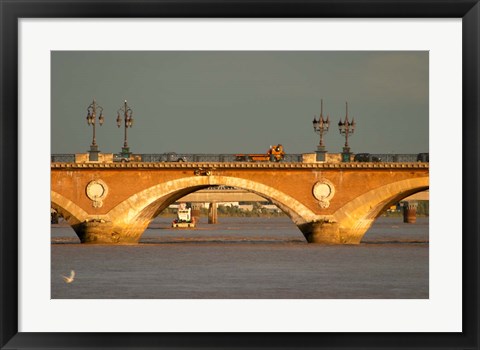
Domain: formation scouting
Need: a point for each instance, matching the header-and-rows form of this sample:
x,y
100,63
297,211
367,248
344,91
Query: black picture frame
x,y
12,11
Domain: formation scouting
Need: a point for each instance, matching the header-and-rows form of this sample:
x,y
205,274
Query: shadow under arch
x,y
145,205
356,217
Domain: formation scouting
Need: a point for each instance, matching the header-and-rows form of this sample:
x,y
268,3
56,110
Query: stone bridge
x,y
331,203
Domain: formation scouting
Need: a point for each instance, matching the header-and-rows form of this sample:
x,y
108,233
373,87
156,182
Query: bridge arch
x,y
356,216
71,212
145,205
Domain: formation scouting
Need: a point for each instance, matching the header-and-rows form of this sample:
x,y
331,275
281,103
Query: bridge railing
x,y
212,157
395,158
294,158
62,158
206,157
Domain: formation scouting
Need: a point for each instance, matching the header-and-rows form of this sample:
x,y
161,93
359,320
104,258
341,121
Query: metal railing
x,y
294,158
207,157
396,158
62,158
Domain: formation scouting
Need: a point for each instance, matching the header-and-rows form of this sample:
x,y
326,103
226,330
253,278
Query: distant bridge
x,y
221,194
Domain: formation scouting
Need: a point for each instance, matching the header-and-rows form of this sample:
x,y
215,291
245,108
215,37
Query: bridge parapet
x,y
289,157
243,165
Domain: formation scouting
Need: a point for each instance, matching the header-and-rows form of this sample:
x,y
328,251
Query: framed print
x,y
205,85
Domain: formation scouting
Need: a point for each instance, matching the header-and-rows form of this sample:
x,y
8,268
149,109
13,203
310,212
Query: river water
x,y
243,258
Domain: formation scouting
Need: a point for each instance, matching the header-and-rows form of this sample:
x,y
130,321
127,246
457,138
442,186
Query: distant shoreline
x,y
63,223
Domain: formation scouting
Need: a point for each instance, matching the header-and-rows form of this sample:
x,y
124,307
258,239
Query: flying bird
x,y
70,278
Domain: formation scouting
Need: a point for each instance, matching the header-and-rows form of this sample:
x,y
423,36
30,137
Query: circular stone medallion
x,y
97,190
323,191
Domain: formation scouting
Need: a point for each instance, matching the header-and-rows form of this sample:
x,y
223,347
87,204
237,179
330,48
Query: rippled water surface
x,y
244,258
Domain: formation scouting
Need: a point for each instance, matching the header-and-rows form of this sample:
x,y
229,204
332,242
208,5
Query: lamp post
x,y
92,120
320,126
127,117
346,128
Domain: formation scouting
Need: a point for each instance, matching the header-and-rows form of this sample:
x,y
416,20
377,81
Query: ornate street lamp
x,y
320,126
346,128
127,117
92,120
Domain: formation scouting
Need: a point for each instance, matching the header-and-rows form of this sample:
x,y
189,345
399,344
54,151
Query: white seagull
x,y
71,278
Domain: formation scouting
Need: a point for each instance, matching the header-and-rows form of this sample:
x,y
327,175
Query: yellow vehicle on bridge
x,y
274,154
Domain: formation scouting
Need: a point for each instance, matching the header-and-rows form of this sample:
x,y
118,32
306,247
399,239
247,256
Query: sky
x,y
240,101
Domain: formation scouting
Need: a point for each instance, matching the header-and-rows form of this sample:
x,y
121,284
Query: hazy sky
x,y
240,101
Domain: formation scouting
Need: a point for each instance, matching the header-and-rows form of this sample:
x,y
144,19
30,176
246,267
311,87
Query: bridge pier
x,y
410,212
327,232
212,213
196,211
99,231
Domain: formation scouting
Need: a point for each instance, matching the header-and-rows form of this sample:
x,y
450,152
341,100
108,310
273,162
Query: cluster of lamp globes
x,y
93,109
321,125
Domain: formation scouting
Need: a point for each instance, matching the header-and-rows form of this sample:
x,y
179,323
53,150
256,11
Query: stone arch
x,y
356,217
71,212
145,205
